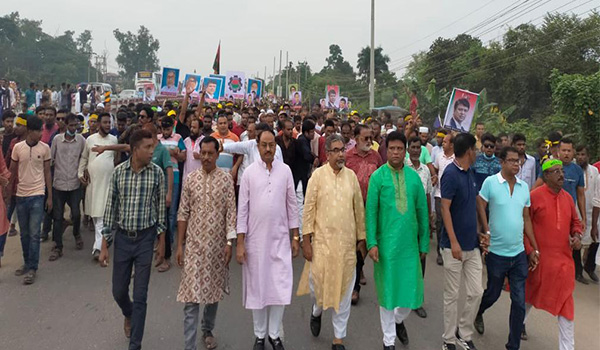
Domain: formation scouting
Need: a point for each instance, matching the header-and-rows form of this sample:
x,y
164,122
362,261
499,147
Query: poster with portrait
x,y
254,89
222,90
170,82
192,82
149,92
292,88
461,109
235,85
332,96
342,103
212,88
296,100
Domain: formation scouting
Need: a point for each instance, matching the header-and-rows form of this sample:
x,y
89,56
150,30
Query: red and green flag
x,y
217,63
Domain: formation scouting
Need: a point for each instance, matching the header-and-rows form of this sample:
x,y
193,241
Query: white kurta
x,y
100,167
590,175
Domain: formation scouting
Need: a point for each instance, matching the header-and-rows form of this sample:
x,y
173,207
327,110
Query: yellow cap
x,y
93,117
21,121
171,112
408,117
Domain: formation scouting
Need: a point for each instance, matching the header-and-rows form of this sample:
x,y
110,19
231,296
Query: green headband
x,y
550,163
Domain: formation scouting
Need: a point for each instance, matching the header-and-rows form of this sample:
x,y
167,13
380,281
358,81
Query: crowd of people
x,y
265,183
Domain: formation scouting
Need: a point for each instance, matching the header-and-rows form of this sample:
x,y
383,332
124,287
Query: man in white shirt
x,y
527,162
440,164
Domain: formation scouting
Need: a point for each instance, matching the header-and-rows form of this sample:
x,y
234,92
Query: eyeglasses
x,y
556,171
60,119
513,161
488,145
337,150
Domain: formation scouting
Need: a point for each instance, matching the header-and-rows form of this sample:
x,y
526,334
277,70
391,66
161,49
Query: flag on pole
x,y
437,123
217,63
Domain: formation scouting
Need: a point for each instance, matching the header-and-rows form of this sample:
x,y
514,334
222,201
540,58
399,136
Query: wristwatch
x,y
230,243
297,238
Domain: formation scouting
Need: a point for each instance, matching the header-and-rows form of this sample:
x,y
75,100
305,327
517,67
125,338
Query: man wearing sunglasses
x,y
486,163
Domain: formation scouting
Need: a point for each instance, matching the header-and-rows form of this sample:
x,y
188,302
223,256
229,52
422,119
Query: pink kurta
x,y
267,210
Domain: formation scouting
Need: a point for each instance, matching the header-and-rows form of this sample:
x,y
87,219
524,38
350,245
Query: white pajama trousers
x,y
340,318
98,226
566,330
388,319
270,317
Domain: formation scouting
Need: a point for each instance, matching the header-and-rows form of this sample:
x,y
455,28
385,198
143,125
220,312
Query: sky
x,y
252,33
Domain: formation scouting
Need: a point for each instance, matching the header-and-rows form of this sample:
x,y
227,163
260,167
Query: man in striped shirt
x,y
136,210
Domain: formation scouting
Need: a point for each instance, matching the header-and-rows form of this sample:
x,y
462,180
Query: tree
x,y
336,62
364,63
84,43
30,55
137,52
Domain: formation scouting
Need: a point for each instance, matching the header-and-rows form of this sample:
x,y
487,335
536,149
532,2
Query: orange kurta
x,y
550,287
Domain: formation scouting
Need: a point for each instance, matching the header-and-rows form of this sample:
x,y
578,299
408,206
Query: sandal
x,y
78,243
56,253
165,266
209,340
30,277
21,271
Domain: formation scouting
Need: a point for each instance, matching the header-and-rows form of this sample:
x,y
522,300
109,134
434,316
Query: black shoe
x,y
338,347
479,324
259,344
440,261
315,325
44,237
276,344
421,312
582,280
467,344
524,335
391,347
592,275
401,333
448,346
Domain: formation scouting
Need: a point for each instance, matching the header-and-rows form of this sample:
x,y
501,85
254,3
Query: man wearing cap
x,y
424,136
95,171
557,231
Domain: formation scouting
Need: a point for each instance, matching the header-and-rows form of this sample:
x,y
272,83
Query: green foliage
x,y
137,52
30,55
577,96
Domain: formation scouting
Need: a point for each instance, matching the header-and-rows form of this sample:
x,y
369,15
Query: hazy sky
x,y
253,32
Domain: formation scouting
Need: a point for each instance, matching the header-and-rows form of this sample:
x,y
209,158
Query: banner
x,y
296,100
235,85
222,86
342,103
170,82
212,89
292,88
461,109
192,82
332,97
254,90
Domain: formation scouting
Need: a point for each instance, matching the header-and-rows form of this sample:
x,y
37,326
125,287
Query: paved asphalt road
x,y
71,307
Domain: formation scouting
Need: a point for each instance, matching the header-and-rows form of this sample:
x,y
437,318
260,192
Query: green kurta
x,y
398,224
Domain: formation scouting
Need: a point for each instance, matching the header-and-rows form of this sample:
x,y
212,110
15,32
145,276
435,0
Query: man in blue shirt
x,y
508,200
486,163
460,244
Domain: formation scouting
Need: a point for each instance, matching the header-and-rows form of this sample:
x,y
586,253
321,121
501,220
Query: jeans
x,y
59,198
191,312
172,222
516,269
46,221
30,211
2,243
129,252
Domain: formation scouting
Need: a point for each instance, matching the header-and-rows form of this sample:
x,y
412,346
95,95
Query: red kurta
x,y
550,287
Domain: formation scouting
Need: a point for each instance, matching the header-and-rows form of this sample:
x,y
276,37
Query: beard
x,y
340,163
194,137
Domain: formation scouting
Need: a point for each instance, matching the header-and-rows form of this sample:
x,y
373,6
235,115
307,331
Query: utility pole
x,y
372,70
279,91
273,78
287,75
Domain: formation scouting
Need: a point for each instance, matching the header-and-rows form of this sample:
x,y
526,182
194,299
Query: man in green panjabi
x,y
397,223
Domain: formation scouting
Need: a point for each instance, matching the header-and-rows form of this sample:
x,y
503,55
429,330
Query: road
x,y
70,306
